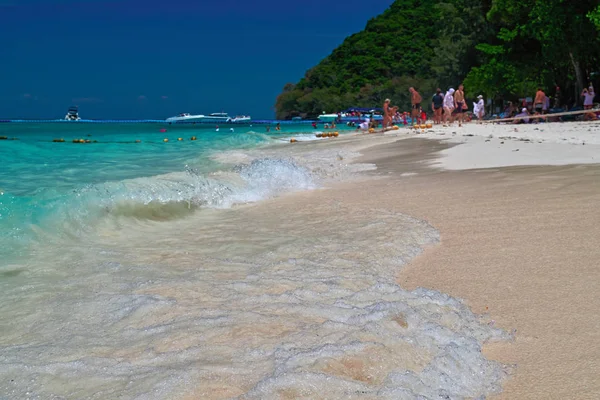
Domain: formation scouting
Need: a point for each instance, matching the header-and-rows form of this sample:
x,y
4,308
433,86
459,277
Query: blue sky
x,y
154,59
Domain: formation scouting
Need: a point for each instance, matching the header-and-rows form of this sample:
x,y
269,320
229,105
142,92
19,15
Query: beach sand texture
x,y
518,244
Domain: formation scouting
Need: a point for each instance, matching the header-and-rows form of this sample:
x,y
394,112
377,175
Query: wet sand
x,y
517,243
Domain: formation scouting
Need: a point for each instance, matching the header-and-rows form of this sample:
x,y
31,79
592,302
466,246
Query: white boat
x,y
185,117
241,118
328,117
214,118
72,114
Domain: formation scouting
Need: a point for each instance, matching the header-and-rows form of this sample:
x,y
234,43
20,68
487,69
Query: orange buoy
x,y
292,140
193,138
179,139
336,134
165,140
429,126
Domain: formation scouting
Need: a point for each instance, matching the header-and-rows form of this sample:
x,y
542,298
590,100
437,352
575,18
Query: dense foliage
x,y
499,48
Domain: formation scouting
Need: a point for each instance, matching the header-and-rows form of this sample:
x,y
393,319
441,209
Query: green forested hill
x,y
497,47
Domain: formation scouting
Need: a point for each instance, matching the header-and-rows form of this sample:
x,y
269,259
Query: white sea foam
x,y
272,301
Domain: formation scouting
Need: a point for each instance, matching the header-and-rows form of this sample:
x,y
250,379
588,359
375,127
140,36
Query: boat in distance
x,y
187,118
72,114
241,119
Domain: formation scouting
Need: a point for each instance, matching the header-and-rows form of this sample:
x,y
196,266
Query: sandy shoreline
x,y
518,244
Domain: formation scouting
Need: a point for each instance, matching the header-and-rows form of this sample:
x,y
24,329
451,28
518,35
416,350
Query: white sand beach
x,y
502,145
518,243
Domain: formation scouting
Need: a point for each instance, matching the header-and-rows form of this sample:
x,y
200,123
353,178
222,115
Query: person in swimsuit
x,y
459,104
540,100
415,99
387,114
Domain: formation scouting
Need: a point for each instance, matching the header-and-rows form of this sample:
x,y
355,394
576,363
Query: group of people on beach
x,y
452,107
542,106
447,108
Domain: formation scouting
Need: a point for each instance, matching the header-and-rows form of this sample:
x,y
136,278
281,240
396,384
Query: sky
x,y
155,59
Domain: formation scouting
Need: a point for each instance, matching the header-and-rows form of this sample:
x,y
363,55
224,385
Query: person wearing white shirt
x,y
523,115
479,108
588,101
588,97
448,106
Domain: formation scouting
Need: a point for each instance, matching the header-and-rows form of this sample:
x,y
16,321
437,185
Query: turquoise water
x,y
61,187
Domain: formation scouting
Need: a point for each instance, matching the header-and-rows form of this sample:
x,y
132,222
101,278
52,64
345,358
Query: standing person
x,y
459,104
540,100
437,102
415,100
588,101
448,106
387,118
546,108
479,108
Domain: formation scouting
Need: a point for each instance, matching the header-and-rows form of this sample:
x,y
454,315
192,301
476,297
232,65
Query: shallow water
x,y
169,287
45,185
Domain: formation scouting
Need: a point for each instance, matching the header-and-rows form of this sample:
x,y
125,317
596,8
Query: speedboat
x,y
72,114
328,117
185,118
217,117
241,119
188,118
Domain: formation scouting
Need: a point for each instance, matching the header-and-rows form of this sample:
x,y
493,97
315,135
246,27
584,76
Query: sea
x,y
132,267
